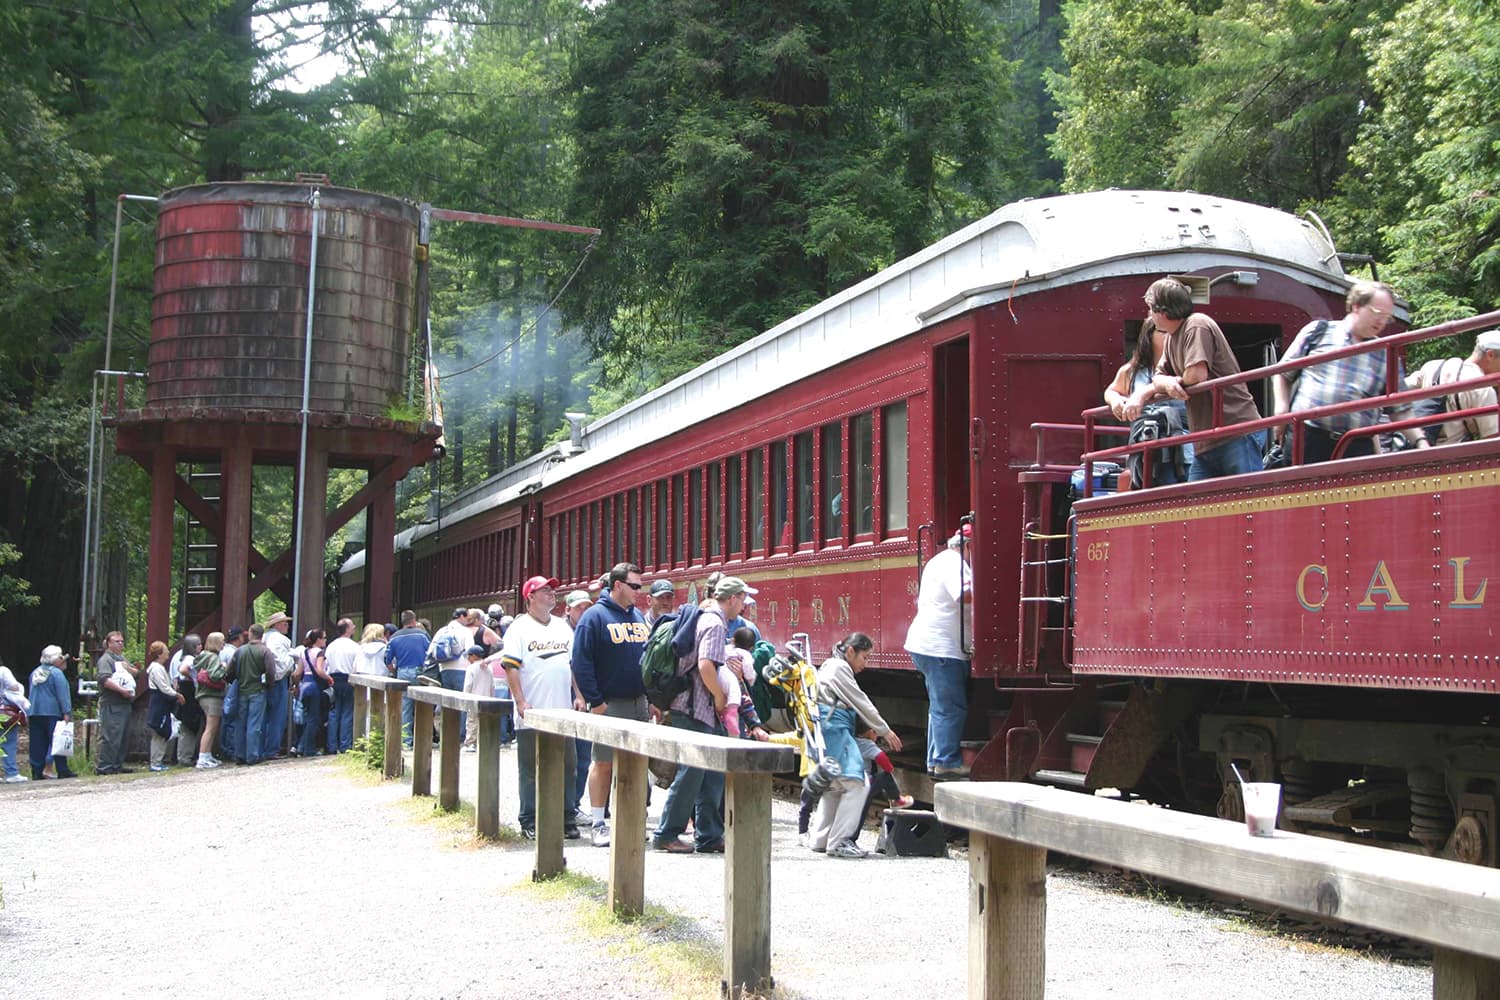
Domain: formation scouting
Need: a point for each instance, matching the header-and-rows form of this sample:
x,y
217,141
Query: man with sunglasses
x,y
607,647
1369,306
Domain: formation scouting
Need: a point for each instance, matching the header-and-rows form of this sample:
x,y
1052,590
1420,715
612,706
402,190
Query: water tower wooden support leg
x,y
234,490
380,555
314,505
159,552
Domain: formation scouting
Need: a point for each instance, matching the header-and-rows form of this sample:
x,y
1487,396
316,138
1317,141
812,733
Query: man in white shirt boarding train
x,y
538,671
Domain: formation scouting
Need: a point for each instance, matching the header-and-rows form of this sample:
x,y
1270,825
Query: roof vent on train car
x,y
574,444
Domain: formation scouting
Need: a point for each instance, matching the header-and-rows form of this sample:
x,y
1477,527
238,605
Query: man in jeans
x,y
695,791
945,598
405,654
1197,351
254,668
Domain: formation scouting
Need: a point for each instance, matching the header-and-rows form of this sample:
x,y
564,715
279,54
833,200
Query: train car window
x,y
632,529
893,466
862,473
695,513
618,538
594,534
663,558
679,552
759,498
831,482
715,511
733,513
648,554
802,482
779,523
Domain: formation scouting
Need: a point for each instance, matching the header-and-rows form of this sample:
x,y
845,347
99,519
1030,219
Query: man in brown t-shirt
x,y
1196,351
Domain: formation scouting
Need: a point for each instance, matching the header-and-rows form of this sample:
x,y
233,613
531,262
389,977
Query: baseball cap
x,y
460,613
577,597
234,633
495,611
662,588
1489,340
536,583
728,586
476,650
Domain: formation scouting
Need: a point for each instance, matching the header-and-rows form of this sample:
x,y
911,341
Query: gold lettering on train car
x,y
843,609
793,611
817,610
1460,600
1302,598
1382,584
772,605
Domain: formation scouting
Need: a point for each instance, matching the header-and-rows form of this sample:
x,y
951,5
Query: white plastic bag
x,y
62,739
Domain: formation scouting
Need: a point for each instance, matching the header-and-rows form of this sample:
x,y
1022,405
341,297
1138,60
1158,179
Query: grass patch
x,y
460,823
665,948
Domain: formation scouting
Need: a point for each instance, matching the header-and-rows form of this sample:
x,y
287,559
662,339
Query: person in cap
x,y
696,792
51,703
607,648
1485,360
404,654
278,700
537,671
451,672
939,641
662,595
576,603
480,681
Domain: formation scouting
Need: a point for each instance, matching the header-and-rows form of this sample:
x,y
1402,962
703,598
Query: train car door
x,y
950,437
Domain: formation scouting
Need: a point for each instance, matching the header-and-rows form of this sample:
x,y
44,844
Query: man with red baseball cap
x,y
537,661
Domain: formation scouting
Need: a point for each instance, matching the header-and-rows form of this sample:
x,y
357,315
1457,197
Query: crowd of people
x,y
248,694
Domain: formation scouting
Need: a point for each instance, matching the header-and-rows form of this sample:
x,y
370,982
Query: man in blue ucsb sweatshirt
x,y
607,649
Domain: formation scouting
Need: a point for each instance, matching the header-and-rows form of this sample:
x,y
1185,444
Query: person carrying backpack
x,y
694,791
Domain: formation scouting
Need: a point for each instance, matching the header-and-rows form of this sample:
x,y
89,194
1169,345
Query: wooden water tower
x,y
232,385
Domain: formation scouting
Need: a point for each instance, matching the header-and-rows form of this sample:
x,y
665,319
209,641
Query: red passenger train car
x,y
825,459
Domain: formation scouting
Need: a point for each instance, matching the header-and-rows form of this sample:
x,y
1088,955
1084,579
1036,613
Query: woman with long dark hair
x,y
846,710
1131,389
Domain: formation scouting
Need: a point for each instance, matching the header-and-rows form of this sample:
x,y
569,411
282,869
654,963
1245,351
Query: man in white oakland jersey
x,y
538,671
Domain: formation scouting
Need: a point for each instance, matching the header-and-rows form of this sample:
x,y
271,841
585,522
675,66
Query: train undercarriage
x,y
1415,772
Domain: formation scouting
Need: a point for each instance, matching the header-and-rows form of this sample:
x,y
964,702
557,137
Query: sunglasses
x,y
1378,311
632,586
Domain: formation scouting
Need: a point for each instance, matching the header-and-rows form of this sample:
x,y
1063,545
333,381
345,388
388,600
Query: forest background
x,y
744,161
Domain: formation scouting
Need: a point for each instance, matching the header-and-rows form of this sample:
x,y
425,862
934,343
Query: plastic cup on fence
x,y
1262,802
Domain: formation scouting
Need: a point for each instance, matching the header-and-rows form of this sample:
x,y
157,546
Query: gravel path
x,y
901,926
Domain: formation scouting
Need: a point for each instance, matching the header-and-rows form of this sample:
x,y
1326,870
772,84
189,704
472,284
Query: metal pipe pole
x,y
94,504
88,514
312,275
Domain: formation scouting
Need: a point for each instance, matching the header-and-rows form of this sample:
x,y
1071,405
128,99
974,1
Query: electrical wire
x,y
517,339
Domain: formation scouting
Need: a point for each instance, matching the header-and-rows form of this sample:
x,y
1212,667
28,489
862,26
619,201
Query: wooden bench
x,y
383,695
748,767
453,704
1454,907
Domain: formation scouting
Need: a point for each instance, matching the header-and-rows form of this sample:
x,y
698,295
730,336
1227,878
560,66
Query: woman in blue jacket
x,y
50,704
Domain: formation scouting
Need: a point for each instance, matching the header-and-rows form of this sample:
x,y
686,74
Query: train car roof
x,y
1024,248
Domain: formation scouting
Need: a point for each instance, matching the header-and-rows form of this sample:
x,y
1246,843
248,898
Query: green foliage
x,y
747,161
369,750
1426,168
1127,63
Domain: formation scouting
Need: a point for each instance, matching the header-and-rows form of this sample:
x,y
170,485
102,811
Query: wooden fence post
x,y
747,883
449,744
627,849
1007,919
361,705
550,758
393,733
421,750
487,811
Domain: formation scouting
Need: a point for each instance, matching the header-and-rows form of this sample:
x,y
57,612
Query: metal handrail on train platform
x,y
1393,397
